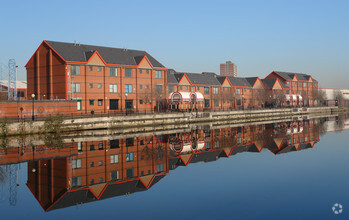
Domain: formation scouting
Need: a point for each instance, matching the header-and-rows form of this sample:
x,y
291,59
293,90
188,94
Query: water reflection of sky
x,y
296,185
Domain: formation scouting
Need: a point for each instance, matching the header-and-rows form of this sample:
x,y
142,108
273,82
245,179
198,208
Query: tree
x,y
228,96
319,96
265,96
145,95
338,96
216,99
158,95
279,96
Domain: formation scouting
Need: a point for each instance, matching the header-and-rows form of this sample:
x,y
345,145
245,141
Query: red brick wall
x,y
41,108
46,75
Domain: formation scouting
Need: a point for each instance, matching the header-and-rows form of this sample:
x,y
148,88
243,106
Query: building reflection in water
x,y
91,170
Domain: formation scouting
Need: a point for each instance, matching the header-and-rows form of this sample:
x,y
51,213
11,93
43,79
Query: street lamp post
x,y
158,104
125,103
33,97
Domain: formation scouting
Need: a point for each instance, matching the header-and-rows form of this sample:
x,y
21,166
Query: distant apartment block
x,y
228,69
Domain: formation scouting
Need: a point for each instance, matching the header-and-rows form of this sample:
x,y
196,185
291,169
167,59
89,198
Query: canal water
x,y
286,170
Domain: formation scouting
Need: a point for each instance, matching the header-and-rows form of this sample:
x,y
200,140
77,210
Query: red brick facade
x,y
95,84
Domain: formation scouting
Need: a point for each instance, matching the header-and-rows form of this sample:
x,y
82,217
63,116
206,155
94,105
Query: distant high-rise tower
x,y
229,69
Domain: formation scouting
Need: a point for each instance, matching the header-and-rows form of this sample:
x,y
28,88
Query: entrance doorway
x,y
114,104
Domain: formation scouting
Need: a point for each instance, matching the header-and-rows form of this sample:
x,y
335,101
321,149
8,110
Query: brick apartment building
x,y
98,78
103,79
302,87
208,91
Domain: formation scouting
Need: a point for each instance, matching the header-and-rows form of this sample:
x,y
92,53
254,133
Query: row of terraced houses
x,y
85,78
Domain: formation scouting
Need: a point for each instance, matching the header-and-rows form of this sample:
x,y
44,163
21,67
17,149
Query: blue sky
x,y
192,36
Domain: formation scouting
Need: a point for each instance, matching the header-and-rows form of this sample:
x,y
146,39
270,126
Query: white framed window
x,y
76,163
128,72
158,74
76,181
160,167
113,71
114,175
114,158
75,87
128,88
75,70
238,91
129,157
113,88
80,146
215,90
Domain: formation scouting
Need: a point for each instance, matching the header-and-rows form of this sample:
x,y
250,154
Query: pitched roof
x,y
84,195
284,85
289,75
238,81
171,76
244,81
201,79
206,156
82,53
269,83
251,80
221,79
178,76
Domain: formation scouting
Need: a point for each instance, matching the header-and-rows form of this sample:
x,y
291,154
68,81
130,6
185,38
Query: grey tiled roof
x,y
201,79
82,52
221,79
178,76
269,83
289,75
285,75
251,80
171,76
284,85
84,195
238,81
244,81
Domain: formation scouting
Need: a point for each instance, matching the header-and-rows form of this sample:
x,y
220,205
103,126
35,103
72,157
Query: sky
x,y
192,36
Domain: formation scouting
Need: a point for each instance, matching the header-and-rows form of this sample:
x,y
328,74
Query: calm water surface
x,y
287,170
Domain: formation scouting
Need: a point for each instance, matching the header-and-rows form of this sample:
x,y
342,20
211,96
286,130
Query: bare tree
x,y
228,96
217,98
338,96
159,96
319,96
279,96
265,96
146,96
